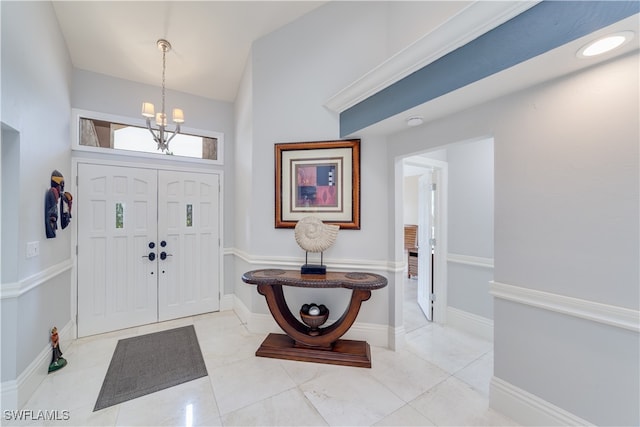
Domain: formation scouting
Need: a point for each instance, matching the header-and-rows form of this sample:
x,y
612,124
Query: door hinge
x,y
432,242
76,249
432,297
433,186
76,180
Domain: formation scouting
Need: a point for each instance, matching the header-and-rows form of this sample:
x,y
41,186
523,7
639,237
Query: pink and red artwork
x,y
316,185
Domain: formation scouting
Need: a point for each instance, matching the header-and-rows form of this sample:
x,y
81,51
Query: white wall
x,y
36,105
566,224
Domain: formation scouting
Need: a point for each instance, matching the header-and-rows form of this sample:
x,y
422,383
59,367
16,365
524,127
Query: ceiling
x,y
553,64
212,40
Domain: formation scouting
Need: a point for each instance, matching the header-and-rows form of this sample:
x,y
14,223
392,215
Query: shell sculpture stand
x,y
313,235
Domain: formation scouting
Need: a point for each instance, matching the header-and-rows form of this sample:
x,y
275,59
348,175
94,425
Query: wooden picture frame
x,y
320,179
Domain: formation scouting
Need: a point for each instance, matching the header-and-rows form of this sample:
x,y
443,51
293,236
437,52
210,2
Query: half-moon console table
x,y
308,343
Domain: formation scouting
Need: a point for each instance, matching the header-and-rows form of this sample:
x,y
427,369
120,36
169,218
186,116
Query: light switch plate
x,y
33,249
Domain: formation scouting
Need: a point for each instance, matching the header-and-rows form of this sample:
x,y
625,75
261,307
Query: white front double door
x,y
148,246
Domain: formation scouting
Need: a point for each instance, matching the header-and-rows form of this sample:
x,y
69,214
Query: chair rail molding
x,y
338,264
612,315
16,289
475,261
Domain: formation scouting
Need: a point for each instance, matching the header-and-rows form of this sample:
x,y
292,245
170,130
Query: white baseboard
x,y
16,393
241,310
226,302
528,409
397,338
469,322
259,323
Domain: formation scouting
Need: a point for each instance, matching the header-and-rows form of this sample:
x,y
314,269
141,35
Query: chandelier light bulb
x,y
148,110
178,115
161,119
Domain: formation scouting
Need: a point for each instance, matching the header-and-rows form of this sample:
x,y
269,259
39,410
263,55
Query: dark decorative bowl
x,y
314,321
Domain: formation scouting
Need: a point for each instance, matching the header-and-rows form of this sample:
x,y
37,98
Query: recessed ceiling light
x,y
415,121
605,44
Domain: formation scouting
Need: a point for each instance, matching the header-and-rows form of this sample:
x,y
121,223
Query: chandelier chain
x,y
164,66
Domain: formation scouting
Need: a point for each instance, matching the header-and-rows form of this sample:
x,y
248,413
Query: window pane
x,y
189,215
104,134
119,215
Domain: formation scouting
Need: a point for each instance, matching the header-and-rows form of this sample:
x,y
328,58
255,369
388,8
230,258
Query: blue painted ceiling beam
x,y
543,27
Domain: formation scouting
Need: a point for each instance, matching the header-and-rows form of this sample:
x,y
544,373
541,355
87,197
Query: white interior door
x,y
426,199
116,217
188,217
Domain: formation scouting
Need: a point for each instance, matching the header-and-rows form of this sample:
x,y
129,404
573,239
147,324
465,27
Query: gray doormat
x,y
149,363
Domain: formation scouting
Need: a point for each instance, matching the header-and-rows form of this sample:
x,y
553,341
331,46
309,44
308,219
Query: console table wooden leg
x,y
324,347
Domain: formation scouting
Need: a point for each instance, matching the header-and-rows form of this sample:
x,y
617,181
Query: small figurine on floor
x,y
57,361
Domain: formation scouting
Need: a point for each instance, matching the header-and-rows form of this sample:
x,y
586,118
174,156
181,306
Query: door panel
x,y
189,279
116,217
425,224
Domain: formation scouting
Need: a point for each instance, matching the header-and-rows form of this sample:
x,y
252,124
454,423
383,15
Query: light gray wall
x,y
410,207
10,155
566,223
294,71
470,225
471,198
36,75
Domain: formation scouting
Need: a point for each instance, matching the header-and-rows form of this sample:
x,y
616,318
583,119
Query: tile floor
x,y
441,377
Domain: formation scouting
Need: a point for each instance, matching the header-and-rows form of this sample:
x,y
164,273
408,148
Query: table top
x,y
355,280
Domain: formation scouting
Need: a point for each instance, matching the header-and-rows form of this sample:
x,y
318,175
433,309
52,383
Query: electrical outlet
x,y
33,249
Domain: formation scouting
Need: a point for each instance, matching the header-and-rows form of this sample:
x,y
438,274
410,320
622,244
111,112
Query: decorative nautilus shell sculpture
x,y
313,235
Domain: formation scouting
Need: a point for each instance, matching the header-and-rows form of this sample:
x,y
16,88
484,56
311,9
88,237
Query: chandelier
x,y
162,136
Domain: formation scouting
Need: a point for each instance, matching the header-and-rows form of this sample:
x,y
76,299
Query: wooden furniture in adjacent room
x,y
314,343
411,246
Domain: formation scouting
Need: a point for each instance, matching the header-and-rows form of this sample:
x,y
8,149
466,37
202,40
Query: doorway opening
x,y
463,212
424,192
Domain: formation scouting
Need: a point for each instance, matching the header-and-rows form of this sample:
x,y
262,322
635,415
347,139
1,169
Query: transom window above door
x,y
110,133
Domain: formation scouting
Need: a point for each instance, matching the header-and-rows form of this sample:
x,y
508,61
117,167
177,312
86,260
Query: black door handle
x,y
164,255
151,256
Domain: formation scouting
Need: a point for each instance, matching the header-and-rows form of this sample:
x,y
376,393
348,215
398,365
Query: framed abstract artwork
x,y
321,179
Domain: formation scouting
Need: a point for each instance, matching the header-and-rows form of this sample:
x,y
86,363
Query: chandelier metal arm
x,y
175,132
